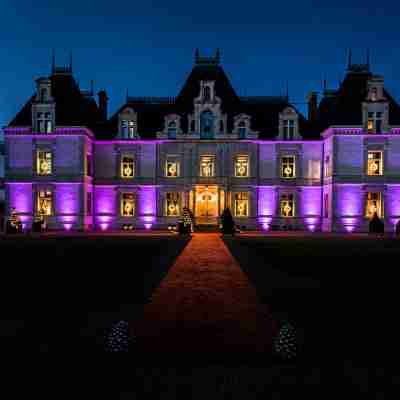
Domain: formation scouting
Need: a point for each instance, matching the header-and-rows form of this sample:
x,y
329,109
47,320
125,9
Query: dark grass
x,y
340,291
59,294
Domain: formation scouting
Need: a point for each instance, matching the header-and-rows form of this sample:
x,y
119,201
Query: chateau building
x,y
206,149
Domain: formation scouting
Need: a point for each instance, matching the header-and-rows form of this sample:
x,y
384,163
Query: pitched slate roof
x,y
73,107
264,111
344,106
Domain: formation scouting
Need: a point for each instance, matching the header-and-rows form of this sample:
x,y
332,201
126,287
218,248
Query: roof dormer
x,y
289,124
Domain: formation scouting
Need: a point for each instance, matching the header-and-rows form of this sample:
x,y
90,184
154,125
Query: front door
x,y
206,205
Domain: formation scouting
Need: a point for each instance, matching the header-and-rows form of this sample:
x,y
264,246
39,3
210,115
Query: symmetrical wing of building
x,y
206,149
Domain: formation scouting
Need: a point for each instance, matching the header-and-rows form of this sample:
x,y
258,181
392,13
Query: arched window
x,y
172,130
242,129
207,93
207,125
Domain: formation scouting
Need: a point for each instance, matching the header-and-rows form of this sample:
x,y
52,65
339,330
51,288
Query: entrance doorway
x,y
206,209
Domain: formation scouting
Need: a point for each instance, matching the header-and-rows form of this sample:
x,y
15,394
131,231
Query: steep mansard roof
x,y
73,106
344,106
264,111
341,107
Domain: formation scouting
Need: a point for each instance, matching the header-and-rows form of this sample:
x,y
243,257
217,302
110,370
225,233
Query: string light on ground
x,y
285,344
117,339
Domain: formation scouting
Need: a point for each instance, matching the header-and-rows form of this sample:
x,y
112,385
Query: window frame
x,y
45,151
246,200
123,166
284,165
372,160
51,197
236,166
212,159
379,209
287,198
178,204
172,160
122,205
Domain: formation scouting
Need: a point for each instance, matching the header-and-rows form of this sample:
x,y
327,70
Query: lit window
x,y
45,202
172,206
374,204
288,129
172,169
287,205
288,167
127,204
44,162
127,167
207,166
375,163
242,166
375,122
241,204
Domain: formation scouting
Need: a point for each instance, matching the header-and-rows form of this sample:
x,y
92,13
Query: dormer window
x,y
128,124
172,130
207,125
288,129
242,130
43,107
288,124
44,122
241,125
375,120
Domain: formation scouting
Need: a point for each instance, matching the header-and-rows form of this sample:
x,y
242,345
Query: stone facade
x,y
206,150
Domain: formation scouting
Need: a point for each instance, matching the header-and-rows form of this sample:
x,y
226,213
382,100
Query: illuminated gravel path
x,y
205,304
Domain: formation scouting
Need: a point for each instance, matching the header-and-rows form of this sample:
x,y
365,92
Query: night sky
x,y
148,46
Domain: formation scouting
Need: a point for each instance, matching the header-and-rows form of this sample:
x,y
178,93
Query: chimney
x,y
103,101
312,106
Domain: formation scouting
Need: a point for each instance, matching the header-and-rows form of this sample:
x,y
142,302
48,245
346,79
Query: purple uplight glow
x,y
148,226
67,227
104,226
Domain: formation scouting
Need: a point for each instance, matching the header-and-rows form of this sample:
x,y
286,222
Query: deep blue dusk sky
x,y
148,46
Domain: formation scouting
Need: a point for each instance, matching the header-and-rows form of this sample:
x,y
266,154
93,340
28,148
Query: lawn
x,y
59,293
340,291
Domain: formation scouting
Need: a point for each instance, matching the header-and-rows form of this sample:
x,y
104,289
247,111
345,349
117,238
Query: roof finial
x,y
70,61
349,60
92,87
53,61
218,56
287,91
127,94
324,82
368,60
196,56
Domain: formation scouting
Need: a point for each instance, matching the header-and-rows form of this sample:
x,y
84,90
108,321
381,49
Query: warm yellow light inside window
x,y
172,206
375,163
127,204
207,166
242,166
287,206
374,204
127,167
45,202
44,162
241,204
288,167
370,124
172,169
